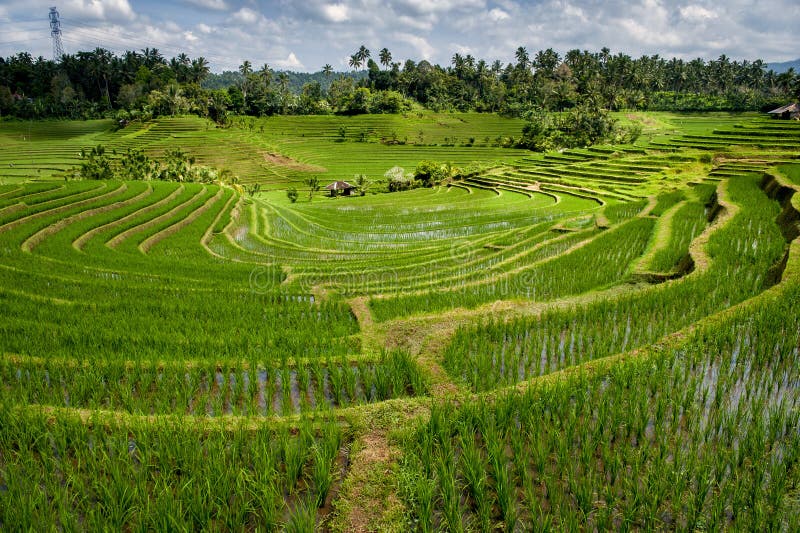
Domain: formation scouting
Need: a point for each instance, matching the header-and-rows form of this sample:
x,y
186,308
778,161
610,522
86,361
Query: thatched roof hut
x,y
340,187
787,111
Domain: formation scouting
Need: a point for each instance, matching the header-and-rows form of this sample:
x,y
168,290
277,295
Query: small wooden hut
x,y
340,187
787,112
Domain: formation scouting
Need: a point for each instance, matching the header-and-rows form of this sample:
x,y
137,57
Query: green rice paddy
x,y
597,339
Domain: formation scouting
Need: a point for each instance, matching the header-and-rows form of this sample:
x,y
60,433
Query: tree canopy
x,y
141,84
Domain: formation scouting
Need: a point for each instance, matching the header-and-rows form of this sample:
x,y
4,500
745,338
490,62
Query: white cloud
x,y
266,30
420,44
574,12
247,16
695,13
291,62
645,34
336,12
217,5
498,15
416,22
439,6
99,9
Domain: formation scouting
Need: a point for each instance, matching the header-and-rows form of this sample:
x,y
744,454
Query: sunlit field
x,y
592,339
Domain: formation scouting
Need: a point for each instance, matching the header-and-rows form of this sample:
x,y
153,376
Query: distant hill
x,y
786,65
296,79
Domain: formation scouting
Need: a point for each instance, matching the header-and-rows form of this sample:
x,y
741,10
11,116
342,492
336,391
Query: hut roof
x,y
339,186
789,108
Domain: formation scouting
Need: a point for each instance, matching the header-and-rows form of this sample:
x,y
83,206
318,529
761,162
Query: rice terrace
x,y
368,306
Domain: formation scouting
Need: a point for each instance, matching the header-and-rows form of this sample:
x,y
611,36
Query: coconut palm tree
x,y
200,69
385,57
266,75
283,78
245,69
152,57
355,62
523,59
327,70
363,54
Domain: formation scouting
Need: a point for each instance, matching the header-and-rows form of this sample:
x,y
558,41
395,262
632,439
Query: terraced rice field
x,y
598,339
271,151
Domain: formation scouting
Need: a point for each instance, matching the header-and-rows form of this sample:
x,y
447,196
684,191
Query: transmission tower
x,y
55,33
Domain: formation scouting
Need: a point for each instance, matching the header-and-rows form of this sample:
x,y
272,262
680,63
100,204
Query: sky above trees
x,y
305,35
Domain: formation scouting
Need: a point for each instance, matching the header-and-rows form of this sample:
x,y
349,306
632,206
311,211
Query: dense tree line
x,y
296,80
143,84
134,164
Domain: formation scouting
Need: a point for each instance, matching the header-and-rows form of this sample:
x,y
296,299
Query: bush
x,y
96,165
398,179
389,102
429,173
583,125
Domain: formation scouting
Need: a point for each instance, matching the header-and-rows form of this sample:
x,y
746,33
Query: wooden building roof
x,y
339,186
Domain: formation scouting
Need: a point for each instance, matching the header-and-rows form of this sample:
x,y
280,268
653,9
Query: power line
x,y
35,27
123,40
80,34
29,40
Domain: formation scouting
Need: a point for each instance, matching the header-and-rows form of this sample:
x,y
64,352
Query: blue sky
x,y
307,34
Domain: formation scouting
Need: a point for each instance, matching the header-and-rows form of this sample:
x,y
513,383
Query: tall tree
x,y
245,69
362,54
200,69
523,59
385,57
266,75
283,79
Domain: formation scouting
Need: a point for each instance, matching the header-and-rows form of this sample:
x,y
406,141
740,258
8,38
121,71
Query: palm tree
x,y
362,54
180,65
266,75
385,57
99,69
523,59
283,78
245,69
355,62
152,57
200,69
327,70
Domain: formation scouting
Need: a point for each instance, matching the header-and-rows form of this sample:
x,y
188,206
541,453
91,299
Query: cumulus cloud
x,y
498,15
321,31
290,63
695,13
419,44
247,16
336,12
438,6
216,5
99,9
